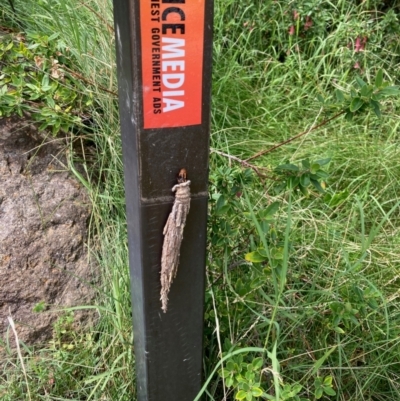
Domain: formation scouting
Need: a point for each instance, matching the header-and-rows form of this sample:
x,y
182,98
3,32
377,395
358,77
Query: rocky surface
x,y
44,213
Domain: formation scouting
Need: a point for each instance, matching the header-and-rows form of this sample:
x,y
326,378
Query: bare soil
x,y
44,214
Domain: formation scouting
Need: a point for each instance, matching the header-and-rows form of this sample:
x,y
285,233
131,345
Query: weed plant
x,y
301,302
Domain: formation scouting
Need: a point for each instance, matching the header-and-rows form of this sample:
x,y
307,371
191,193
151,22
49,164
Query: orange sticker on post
x,y
172,36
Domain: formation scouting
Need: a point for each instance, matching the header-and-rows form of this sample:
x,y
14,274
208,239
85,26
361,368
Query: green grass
x,y
329,308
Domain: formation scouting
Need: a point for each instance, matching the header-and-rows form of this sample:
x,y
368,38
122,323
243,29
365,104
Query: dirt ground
x,y
44,213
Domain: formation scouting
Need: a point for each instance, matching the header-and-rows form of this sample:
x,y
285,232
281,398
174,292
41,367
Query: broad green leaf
x,y
305,180
243,382
339,95
223,210
264,224
314,168
318,381
33,46
47,112
45,81
293,182
389,91
348,116
46,88
366,91
376,96
277,253
271,210
254,257
305,163
354,319
376,107
33,87
372,304
339,330
262,252
229,381
318,393
249,375
336,306
9,46
256,391
240,395
297,388
360,81
322,174
355,104
329,391
328,381
303,190
322,162
220,203
50,102
43,126
379,79
17,81
288,167
257,363
228,346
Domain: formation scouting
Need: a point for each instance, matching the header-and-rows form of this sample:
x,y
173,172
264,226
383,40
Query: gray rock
x,y
44,214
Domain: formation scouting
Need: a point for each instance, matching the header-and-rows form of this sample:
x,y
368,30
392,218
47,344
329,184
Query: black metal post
x,y
164,54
